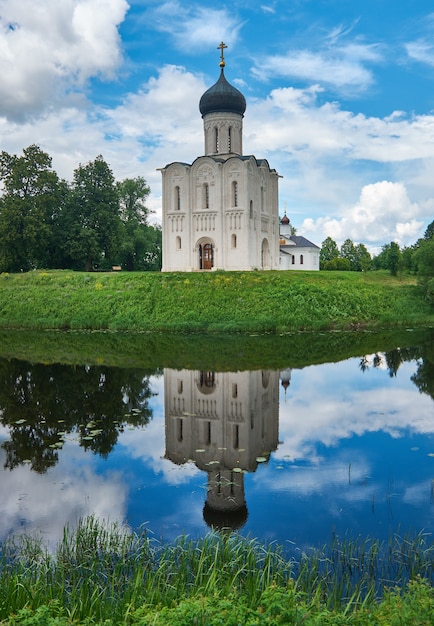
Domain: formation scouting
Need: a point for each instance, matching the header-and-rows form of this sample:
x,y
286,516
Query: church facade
x,y
221,211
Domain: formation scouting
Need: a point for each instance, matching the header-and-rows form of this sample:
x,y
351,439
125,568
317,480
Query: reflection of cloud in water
x,y
60,497
172,526
417,494
309,481
149,444
323,407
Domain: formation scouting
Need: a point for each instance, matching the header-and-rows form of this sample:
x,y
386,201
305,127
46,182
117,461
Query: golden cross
x,y
221,47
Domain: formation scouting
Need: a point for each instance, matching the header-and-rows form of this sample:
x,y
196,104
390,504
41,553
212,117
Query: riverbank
x,y
105,575
211,302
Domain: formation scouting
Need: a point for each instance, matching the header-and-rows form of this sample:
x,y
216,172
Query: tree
x,y
424,259
91,221
393,258
132,195
363,258
429,233
329,251
390,258
141,243
348,251
32,195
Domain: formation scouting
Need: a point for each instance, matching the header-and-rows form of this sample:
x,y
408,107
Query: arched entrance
x,y
206,254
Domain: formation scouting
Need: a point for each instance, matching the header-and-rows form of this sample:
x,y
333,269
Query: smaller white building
x,y
296,252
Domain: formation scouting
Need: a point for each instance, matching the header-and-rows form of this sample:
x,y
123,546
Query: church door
x,y
207,257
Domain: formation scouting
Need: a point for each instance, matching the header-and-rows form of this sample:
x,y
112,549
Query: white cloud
x,y
342,68
49,48
193,26
384,212
421,51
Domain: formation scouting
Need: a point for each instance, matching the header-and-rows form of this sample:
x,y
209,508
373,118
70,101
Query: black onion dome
x,y
222,98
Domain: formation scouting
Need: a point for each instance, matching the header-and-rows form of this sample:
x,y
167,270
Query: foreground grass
x,y
210,302
103,575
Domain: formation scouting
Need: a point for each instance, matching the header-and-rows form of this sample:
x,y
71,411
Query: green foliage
x,y
141,242
267,301
338,263
92,223
350,257
329,251
48,223
31,198
132,194
393,258
107,575
424,259
429,232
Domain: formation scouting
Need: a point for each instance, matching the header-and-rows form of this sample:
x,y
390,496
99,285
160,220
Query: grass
x,y
217,302
103,574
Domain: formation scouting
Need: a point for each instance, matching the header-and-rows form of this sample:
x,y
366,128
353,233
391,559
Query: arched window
x,y
177,198
229,138
216,136
234,193
206,380
205,196
293,259
251,209
262,200
178,243
234,241
301,259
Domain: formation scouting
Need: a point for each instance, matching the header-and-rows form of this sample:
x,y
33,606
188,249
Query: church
x,y
222,211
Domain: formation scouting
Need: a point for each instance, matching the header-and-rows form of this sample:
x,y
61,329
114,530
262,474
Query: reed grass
x,y
103,574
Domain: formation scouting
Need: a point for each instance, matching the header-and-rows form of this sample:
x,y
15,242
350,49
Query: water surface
x,y
343,444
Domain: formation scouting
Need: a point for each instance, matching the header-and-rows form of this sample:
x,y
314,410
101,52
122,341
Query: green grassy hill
x,y
269,301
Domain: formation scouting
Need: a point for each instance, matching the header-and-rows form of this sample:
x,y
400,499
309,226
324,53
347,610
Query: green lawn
x,y
211,302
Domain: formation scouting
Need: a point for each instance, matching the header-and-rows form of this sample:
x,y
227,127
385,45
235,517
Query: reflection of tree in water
x,y
44,404
424,357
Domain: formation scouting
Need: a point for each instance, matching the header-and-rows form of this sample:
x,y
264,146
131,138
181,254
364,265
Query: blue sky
x,y
340,98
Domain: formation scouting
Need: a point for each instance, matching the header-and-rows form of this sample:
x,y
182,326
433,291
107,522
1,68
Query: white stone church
x,y
222,211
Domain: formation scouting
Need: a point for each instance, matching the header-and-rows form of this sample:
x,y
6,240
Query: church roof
x,y
222,98
302,242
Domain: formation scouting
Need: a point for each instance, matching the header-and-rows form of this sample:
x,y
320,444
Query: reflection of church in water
x,y
223,422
